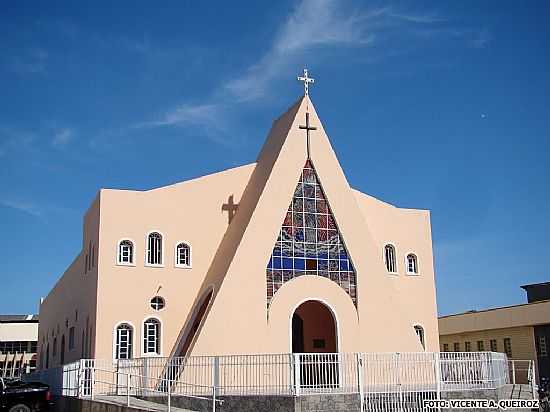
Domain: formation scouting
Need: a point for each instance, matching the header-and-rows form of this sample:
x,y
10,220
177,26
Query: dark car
x,y
19,396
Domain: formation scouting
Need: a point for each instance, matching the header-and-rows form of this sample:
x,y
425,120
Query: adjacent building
x,y
521,331
18,343
280,255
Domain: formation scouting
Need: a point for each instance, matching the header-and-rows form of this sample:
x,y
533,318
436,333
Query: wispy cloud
x,y
22,206
312,24
12,140
481,38
62,137
28,62
186,114
209,118
42,210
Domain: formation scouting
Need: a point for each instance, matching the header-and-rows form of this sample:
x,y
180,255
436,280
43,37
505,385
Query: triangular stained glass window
x,y
309,242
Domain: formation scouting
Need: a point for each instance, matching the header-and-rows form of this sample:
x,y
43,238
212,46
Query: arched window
x,y
151,337
412,264
183,255
420,333
154,249
389,258
157,303
82,344
62,352
126,252
124,341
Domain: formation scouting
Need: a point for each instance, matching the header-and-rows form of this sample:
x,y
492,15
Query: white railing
x,y
381,379
523,372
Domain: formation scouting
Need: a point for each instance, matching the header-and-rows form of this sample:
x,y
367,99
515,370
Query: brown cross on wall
x,y
231,208
307,128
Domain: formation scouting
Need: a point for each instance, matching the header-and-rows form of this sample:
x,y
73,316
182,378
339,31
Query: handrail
x,y
168,392
373,375
152,378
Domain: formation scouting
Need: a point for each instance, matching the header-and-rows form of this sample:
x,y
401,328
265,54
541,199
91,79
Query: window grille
x,y
154,249
508,347
412,264
126,252
389,258
157,303
151,337
183,255
543,349
124,341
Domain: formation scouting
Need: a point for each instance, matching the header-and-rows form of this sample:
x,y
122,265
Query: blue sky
x,y
436,105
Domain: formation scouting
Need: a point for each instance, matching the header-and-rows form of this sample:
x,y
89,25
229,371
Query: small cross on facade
x,y
307,80
307,127
231,208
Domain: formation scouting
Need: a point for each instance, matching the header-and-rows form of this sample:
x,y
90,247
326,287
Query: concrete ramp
x,y
107,403
138,404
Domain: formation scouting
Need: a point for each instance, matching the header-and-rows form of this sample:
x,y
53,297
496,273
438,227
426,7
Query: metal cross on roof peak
x,y
306,79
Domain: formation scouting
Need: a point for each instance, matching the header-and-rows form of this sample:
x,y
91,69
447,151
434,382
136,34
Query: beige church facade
x,y
277,256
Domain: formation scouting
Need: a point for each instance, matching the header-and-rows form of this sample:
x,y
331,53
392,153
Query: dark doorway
x,y
315,337
297,334
314,329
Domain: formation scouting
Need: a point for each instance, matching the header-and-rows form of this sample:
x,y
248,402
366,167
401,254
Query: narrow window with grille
x,y
154,249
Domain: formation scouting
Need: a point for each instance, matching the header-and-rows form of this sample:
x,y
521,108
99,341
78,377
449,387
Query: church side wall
x,y
190,212
72,302
410,232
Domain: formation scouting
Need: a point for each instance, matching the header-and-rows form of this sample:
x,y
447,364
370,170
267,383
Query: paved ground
x,y
519,391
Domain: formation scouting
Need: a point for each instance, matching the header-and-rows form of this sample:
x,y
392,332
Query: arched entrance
x,y
314,328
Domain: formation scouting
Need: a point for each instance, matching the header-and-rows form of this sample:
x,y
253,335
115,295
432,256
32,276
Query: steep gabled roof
x,y
237,273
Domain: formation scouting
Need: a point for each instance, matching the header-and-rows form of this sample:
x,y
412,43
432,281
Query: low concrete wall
x,y
311,403
68,404
328,403
231,403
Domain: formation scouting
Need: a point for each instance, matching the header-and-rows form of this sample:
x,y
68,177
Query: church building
x,y
277,256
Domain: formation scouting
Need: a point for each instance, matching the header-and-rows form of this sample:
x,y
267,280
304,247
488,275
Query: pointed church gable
x,y
309,241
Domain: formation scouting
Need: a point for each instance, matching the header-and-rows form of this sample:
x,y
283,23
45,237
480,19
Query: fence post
x,y
169,395
127,389
214,398
79,390
92,382
297,374
534,381
215,381
437,365
360,369
216,374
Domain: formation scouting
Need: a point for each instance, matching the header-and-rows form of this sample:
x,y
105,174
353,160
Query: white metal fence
x,y
380,379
